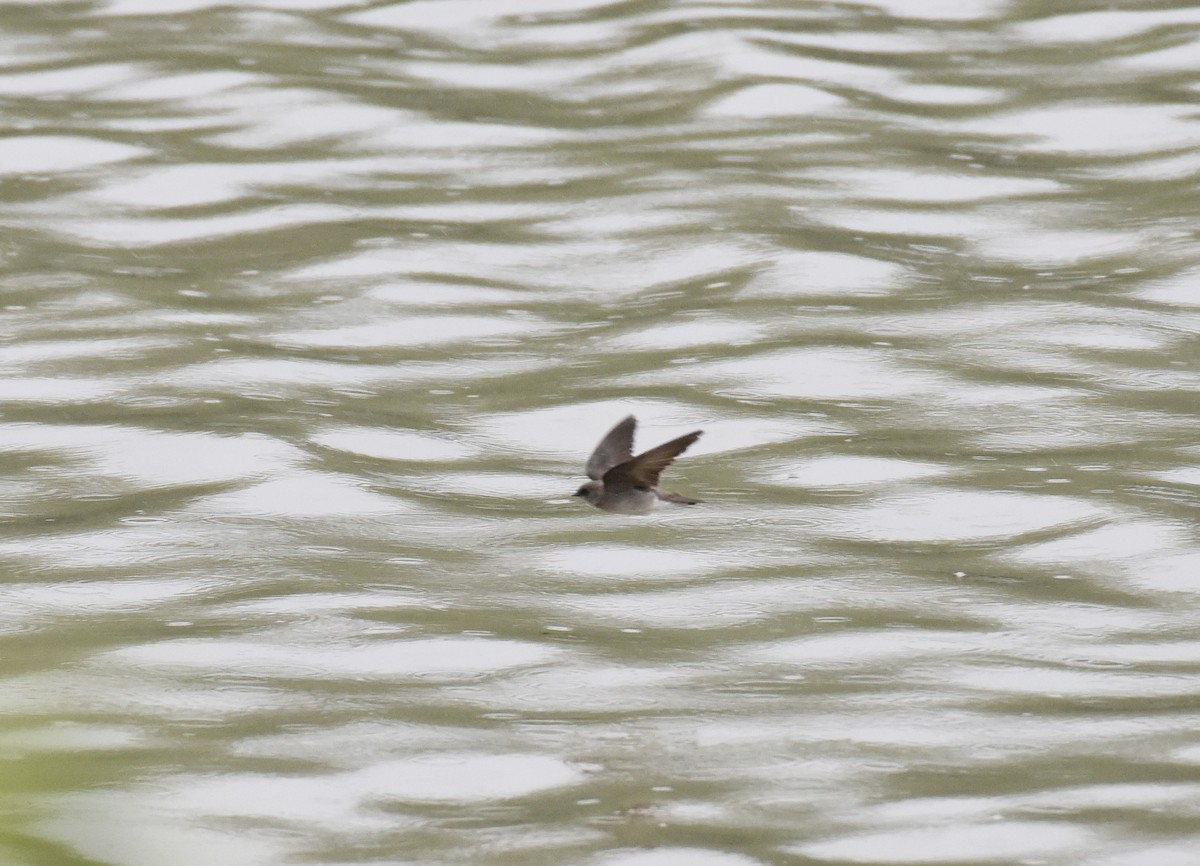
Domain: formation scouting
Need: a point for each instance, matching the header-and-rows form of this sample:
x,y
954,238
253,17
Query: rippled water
x,y
313,312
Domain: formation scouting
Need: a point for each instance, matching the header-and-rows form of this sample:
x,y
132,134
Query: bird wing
x,y
643,470
616,447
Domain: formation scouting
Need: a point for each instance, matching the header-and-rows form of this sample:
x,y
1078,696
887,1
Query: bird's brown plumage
x,y
614,449
643,470
625,484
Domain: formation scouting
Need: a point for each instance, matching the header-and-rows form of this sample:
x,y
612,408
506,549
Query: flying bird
x,y
627,484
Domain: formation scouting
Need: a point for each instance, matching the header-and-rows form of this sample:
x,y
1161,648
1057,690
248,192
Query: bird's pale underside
x,y
626,484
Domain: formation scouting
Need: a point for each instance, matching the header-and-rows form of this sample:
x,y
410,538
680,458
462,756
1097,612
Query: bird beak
x,y
579,493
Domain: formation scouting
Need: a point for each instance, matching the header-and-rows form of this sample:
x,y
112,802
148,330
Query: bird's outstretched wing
x,y
615,448
643,470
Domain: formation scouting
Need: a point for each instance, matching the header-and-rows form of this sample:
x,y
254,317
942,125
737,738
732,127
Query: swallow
x,y
626,484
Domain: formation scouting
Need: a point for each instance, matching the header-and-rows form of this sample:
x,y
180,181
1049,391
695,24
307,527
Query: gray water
x,y
314,310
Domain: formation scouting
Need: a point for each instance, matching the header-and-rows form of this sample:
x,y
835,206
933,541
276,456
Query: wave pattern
x,y
313,310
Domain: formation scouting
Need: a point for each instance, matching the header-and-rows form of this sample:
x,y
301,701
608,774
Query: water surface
x,y
313,311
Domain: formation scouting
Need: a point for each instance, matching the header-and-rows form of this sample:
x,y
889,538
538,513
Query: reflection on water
x,y
314,311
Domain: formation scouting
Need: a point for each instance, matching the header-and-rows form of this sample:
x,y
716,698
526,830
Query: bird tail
x,y
667,496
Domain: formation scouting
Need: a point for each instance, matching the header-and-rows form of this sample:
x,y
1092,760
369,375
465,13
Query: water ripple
x,y
316,309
